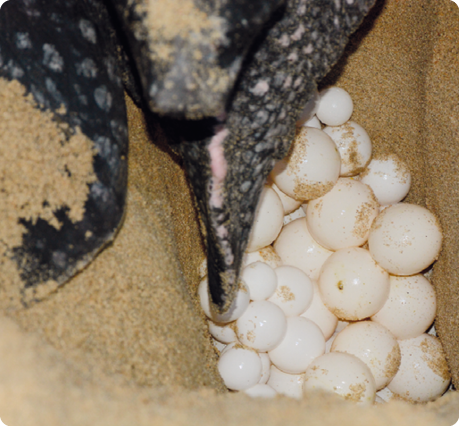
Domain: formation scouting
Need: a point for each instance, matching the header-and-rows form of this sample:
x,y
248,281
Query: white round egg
x,y
343,374
267,224
296,247
335,106
286,384
239,367
262,327
352,285
303,342
410,308
342,217
320,314
423,374
309,110
374,345
261,391
389,177
289,203
354,146
238,306
294,290
311,167
266,255
405,239
224,333
261,280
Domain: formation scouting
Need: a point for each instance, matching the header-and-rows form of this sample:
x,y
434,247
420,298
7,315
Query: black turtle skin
x,y
269,54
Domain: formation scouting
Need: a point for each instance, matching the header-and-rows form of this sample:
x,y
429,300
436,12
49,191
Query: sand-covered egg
x,y
373,344
267,224
294,290
423,374
389,177
335,106
343,374
405,239
265,255
352,285
342,217
410,308
354,146
311,167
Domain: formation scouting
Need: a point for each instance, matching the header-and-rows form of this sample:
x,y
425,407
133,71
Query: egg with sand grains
x,y
405,239
311,167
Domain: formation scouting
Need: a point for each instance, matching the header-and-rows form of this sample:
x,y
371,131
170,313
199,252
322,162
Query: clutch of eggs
x,y
331,293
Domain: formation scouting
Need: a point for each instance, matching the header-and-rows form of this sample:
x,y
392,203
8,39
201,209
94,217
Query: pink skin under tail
x,y
218,167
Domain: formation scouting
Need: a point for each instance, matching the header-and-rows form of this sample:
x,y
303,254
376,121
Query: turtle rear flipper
x,y
57,55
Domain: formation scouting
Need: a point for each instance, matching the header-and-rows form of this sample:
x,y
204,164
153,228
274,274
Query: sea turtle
x,y
228,78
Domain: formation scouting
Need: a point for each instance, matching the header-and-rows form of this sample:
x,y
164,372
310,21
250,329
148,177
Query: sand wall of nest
x,y
124,342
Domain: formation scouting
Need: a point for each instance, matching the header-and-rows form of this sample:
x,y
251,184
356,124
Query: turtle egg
x,y
296,247
262,327
389,178
342,217
289,203
374,345
268,220
352,285
405,239
319,313
335,106
224,333
239,367
294,290
237,308
286,384
261,280
313,122
311,167
303,342
343,374
266,255
423,374
354,146
411,302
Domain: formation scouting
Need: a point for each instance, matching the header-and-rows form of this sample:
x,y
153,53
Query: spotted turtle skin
x,y
83,54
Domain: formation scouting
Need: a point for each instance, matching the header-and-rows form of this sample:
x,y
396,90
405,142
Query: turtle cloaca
x,y
228,79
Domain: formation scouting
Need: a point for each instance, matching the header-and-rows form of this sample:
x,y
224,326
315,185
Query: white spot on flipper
x,y
284,40
103,98
88,31
298,33
23,41
308,49
260,88
52,59
87,68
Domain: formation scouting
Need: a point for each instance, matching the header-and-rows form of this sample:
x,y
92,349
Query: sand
x,y
124,342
